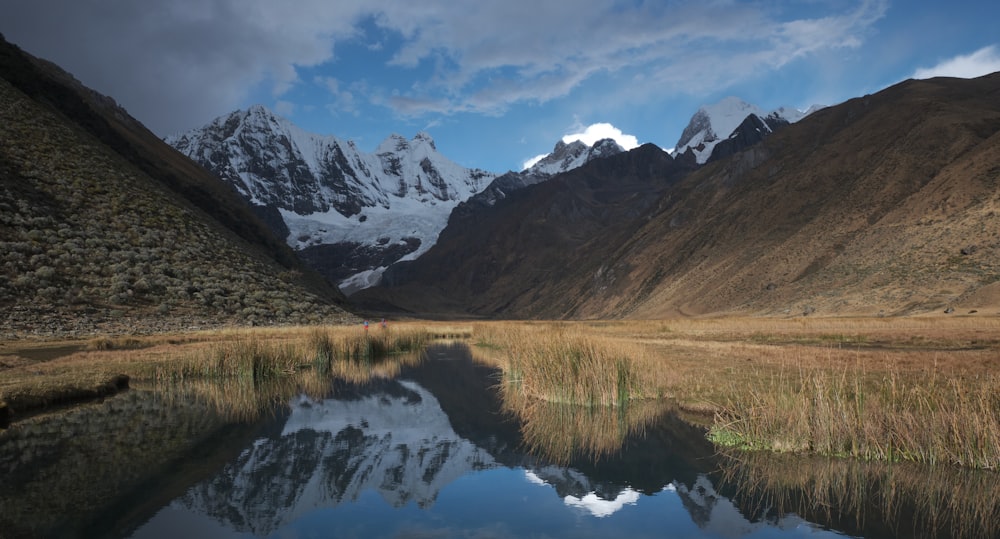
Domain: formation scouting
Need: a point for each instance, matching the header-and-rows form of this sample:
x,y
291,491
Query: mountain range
x,y
351,214
884,204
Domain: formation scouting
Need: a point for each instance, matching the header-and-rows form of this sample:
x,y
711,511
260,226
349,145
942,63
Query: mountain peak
x,y
393,143
349,213
424,137
605,147
260,110
711,124
566,156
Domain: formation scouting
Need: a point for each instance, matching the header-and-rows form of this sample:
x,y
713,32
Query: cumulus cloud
x,y
589,135
531,162
176,64
595,132
982,62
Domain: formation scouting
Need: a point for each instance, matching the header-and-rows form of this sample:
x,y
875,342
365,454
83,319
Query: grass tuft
x,y
559,364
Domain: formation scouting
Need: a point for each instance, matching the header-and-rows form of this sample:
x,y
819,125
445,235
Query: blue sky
x,y
495,83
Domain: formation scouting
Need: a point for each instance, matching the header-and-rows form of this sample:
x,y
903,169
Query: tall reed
x,y
258,356
247,356
889,416
329,346
559,364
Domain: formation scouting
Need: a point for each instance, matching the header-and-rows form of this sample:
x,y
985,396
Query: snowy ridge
x,y
329,192
712,124
565,157
352,214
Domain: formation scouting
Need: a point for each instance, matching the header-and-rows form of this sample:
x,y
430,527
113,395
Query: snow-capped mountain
x,y
321,192
352,214
563,158
567,156
712,124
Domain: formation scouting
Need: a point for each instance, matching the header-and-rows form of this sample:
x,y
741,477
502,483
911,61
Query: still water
x,y
439,448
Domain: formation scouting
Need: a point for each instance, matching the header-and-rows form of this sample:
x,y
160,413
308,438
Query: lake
x,y
440,448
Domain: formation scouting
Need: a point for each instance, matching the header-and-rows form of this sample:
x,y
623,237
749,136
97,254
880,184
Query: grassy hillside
x,y
95,238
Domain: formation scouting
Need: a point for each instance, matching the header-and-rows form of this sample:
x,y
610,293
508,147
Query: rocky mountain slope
x,y
885,204
526,254
563,158
103,227
348,213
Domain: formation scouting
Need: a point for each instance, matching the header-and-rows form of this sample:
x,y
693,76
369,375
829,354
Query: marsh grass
x,y
921,389
258,356
913,501
556,363
889,415
37,375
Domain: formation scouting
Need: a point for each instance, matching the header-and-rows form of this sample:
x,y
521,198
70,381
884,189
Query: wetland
x,y
460,437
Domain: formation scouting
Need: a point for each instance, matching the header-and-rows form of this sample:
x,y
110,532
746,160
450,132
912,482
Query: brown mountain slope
x,y
103,230
864,208
888,203
527,255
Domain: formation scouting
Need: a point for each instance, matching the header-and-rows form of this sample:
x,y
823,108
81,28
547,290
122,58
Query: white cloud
x,y
531,162
598,131
589,135
176,64
284,108
600,507
491,56
982,62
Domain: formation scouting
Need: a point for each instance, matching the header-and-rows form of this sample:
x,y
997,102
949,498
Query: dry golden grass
x,y
558,363
36,374
922,389
560,432
919,388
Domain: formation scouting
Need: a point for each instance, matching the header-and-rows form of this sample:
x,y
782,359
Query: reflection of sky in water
x,y
427,456
502,503
499,503
386,461
598,507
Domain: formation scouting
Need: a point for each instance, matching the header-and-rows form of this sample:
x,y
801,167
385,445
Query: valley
x,y
820,284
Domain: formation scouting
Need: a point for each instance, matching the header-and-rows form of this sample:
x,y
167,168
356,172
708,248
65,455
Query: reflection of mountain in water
x,y
407,439
390,437
716,514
